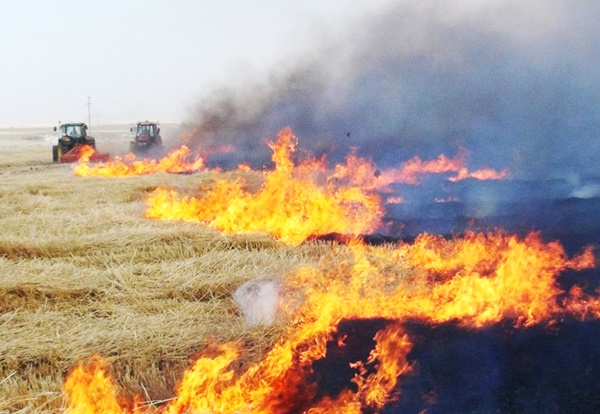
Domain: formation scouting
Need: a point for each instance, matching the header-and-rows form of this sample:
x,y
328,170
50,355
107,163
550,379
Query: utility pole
x,y
89,104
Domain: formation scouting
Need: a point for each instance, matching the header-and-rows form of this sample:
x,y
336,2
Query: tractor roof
x,y
147,123
74,124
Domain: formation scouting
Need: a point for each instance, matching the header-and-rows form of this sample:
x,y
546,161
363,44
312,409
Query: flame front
x,y
361,171
475,281
291,204
177,161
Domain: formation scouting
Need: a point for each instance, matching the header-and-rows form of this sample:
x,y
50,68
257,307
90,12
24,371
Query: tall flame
x,y
291,205
177,161
475,281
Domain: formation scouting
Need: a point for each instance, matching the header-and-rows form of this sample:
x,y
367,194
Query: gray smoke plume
x,y
516,83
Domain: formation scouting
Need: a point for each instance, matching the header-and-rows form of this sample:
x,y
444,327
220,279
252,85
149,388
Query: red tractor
x,y
70,142
147,136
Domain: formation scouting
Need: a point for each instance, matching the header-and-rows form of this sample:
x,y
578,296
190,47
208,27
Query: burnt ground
x,y
558,209
500,369
503,370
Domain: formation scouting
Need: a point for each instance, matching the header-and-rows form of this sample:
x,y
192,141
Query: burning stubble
x,y
178,161
298,200
515,84
476,281
99,289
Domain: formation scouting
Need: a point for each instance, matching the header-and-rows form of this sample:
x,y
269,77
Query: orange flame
x,y
91,390
291,204
86,153
361,171
244,167
477,280
474,281
175,162
390,353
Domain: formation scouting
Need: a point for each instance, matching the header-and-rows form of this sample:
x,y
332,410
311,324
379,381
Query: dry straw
x,y
83,272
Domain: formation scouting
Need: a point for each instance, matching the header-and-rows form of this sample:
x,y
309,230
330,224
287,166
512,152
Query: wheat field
x,y
83,272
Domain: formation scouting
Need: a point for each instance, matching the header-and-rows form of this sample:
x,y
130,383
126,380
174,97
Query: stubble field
x,y
83,272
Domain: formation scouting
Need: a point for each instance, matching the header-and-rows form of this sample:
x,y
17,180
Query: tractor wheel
x,y
55,153
61,150
91,142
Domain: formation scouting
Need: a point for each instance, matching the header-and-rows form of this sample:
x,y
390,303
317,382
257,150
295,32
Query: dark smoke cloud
x,y
515,83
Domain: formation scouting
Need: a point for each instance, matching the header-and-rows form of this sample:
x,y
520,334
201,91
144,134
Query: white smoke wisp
x,y
258,301
587,191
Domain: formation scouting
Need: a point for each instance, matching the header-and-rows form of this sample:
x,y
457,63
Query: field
x,y
475,319
83,272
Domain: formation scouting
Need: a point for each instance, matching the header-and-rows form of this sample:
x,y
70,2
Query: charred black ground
x,y
558,210
499,369
542,369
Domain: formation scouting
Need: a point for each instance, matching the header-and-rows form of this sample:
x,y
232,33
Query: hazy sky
x,y
152,59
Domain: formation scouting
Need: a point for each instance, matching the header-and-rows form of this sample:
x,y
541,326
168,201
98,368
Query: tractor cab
x,y
147,135
74,131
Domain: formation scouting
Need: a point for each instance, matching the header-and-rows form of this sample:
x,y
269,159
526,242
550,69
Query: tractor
x,y
71,136
147,136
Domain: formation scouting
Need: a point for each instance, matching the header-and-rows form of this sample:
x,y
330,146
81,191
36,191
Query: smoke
x,y
516,83
258,301
587,191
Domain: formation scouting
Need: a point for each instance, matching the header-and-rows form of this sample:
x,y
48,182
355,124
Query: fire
x,y
363,172
291,205
488,278
91,390
86,153
177,161
299,200
481,174
474,281
244,167
390,354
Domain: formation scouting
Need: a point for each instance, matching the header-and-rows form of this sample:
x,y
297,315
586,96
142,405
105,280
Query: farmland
x,y
107,311
82,272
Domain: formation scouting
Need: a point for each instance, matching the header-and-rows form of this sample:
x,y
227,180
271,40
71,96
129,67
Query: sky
x,y
146,59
